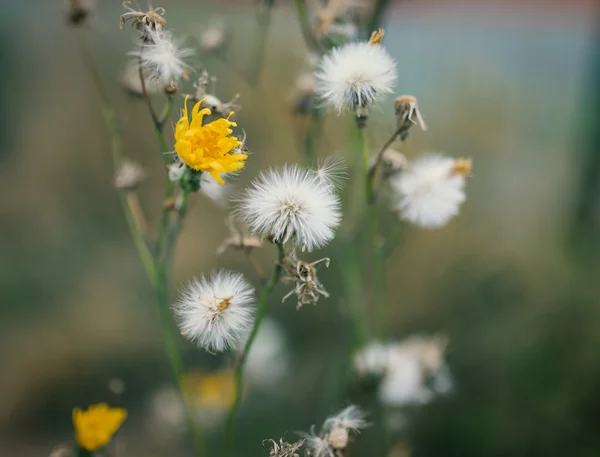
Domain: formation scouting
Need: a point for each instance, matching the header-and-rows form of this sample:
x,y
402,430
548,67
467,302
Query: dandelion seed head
x,y
291,203
214,191
429,191
216,311
163,58
355,75
317,445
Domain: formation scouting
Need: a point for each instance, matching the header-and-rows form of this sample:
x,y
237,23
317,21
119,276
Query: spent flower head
x,y
151,20
430,190
407,115
291,204
95,426
354,76
303,276
351,418
210,147
284,449
238,239
216,311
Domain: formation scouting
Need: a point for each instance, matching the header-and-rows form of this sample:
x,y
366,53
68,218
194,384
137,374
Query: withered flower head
x,y
209,100
407,115
151,19
284,449
303,275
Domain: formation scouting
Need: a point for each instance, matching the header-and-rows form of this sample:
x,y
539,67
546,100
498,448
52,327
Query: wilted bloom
x,y
151,20
209,147
303,276
317,445
208,99
129,174
216,311
285,449
355,75
95,426
350,419
163,58
291,203
407,115
430,190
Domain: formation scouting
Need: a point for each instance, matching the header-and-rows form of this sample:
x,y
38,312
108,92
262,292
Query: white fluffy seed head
x,y
291,203
351,418
216,311
162,57
355,75
218,193
429,192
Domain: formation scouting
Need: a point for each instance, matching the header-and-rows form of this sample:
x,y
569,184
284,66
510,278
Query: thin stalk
x,y
263,302
372,174
146,97
378,271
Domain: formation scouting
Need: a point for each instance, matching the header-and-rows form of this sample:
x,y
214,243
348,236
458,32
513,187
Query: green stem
x,y
152,266
378,272
311,140
263,302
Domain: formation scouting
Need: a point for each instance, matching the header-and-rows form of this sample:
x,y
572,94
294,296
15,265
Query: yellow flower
x,y
96,426
207,147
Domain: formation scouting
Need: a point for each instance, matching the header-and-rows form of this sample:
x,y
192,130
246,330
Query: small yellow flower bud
x,y
462,167
95,426
377,36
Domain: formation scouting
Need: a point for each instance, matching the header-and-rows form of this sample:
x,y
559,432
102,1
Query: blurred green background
x,y
512,281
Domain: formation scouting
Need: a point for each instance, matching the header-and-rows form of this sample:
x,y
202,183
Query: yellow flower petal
x,y
95,427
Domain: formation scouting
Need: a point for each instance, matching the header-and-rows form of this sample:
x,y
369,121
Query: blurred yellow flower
x,y
96,426
211,390
207,147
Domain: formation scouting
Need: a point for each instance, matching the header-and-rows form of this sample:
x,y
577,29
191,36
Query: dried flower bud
x,y
377,36
129,175
338,438
462,167
211,101
79,11
407,115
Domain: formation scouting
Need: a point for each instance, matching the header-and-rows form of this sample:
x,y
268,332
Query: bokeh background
x,y
512,281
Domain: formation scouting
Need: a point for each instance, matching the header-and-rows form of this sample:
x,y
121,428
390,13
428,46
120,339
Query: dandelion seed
x,y
216,312
355,75
163,58
430,190
209,147
95,426
291,203
332,171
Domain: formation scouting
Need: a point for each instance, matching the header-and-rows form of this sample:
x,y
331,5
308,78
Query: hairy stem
x,y
263,301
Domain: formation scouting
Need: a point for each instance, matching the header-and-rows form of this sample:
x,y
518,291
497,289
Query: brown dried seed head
x,y
462,167
377,36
